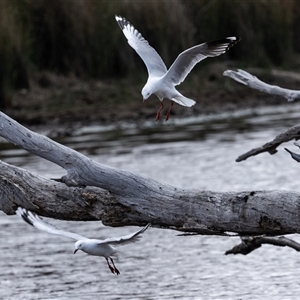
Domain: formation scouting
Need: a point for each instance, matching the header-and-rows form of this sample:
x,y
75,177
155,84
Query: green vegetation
x,y
82,39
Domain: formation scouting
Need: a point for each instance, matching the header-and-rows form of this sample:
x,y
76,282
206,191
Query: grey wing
x,y
151,58
126,239
37,222
186,60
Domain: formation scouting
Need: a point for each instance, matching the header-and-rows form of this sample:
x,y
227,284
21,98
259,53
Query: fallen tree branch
x,y
205,212
289,134
253,82
251,243
92,191
19,187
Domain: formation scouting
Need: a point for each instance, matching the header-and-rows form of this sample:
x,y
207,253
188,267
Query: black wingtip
x,y
122,22
146,227
23,213
223,44
238,39
231,41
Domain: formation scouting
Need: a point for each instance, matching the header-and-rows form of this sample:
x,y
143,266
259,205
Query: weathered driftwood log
x,y
92,191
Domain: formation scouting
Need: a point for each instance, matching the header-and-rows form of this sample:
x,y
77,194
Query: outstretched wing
x,y
37,222
151,58
126,239
187,59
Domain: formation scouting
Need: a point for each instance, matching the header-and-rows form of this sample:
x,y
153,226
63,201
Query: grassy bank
x,y
80,39
55,100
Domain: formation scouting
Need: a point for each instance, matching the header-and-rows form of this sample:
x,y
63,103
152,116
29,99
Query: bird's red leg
x,y
158,113
110,267
116,270
169,111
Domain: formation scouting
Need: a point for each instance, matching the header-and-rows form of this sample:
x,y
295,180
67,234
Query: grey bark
x,y
253,82
92,191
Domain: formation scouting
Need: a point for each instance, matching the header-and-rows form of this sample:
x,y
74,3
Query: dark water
x,y
196,153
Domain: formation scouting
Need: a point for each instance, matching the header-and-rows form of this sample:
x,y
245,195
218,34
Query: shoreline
x,y
67,103
78,128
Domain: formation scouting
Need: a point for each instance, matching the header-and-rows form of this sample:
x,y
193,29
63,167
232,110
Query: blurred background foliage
x,y
81,37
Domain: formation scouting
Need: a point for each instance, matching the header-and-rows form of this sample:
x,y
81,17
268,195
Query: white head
x,y
78,246
146,92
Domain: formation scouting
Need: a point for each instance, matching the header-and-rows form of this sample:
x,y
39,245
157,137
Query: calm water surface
x,y
196,153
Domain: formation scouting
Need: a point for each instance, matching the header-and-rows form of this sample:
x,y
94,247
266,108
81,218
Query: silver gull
x,y
161,81
95,247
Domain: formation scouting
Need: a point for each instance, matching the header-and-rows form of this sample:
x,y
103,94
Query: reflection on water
x,y
190,153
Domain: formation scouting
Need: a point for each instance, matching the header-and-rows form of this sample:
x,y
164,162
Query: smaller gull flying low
x,y
95,247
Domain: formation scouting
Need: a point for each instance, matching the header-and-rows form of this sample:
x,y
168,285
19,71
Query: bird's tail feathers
x,y
184,101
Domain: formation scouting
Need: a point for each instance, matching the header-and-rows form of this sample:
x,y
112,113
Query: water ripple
x,y
191,153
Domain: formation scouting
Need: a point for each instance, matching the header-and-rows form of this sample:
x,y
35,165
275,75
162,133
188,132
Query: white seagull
x,y
95,247
161,81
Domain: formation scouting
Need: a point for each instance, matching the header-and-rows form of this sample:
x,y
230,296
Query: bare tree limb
x,y
19,187
289,134
253,82
251,243
92,191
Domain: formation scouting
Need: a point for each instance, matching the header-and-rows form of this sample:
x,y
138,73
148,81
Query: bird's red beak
x,y
75,251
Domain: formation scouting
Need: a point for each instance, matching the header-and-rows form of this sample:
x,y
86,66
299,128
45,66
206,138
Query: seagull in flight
x,y
161,81
95,247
